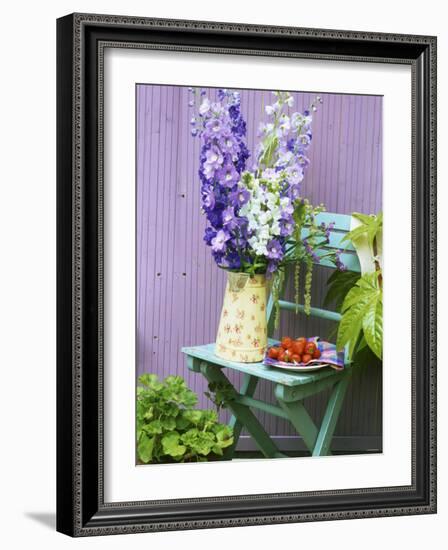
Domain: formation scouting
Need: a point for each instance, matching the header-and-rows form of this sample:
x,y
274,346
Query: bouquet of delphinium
x,y
256,215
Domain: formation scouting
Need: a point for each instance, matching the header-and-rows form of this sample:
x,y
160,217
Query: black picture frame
x,y
81,39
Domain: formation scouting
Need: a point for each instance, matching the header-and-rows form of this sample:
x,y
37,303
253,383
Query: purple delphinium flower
x,y
272,268
310,251
286,227
327,230
229,220
213,160
240,196
231,260
339,264
209,235
219,241
208,198
302,160
228,175
275,250
223,156
294,192
214,217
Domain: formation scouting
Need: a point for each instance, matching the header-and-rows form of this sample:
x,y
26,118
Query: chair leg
x,y
244,415
301,420
323,442
247,389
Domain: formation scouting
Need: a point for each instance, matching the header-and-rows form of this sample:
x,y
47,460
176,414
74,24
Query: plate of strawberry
x,y
302,354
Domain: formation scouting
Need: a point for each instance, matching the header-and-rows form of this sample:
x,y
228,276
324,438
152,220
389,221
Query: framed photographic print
x,y
246,274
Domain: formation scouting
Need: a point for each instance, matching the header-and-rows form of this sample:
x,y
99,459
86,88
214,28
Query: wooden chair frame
x,y
290,389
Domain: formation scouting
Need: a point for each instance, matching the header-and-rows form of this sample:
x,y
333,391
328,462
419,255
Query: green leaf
x,y
270,145
194,417
339,285
182,422
168,423
365,219
371,225
145,448
355,234
224,436
171,446
217,450
154,427
351,323
150,381
373,326
190,436
203,443
362,311
168,426
198,441
362,343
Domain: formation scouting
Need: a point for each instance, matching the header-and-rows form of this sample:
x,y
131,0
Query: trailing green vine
x,y
277,285
297,285
307,245
308,283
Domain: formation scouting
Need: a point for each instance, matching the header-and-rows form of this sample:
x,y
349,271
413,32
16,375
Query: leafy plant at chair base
x,y
170,429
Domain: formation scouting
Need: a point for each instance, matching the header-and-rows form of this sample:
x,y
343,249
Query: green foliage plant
x,y
170,429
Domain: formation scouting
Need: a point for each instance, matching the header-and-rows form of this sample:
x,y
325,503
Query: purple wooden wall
x,y
179,289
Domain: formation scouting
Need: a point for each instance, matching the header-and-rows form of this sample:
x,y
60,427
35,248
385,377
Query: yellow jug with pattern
x,y
242,332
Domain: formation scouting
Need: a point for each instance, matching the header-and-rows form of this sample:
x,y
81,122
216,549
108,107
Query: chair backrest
x,y
348,257
341,227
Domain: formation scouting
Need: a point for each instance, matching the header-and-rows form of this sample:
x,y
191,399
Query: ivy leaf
x,y
145,448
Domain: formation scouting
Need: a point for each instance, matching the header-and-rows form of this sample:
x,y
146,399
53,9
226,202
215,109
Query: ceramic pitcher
x,y
242,332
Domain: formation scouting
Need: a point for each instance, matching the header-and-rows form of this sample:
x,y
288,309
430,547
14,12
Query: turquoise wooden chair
x,y
289,388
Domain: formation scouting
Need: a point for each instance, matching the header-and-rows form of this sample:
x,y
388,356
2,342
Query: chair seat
x,y
259,370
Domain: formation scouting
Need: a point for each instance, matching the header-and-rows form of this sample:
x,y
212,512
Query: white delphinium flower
x,y
285,125
205,106
263,212
272,109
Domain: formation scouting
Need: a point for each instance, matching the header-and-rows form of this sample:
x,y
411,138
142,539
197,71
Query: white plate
x,y
300,369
